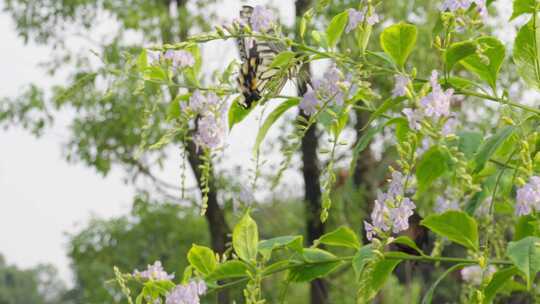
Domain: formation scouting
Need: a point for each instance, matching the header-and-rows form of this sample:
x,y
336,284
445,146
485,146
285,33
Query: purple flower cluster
x,y
177,58
357,17
443,204
154,272
212,127
528,197
391,210
187,293
328,88
400,87
434,105
475,274
261,19
454,5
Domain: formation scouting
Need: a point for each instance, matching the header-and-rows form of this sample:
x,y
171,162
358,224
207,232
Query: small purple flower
x,y
330,87
396,184
197,101
187,294
400,87
528,197
437,103
449,126
180,58
355,18
454,5
442,205
400,215
474,274
153,56
310,102
210,132
261,19
154,272
414,117
370,230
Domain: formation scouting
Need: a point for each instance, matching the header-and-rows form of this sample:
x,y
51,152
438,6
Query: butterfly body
x,y
256,76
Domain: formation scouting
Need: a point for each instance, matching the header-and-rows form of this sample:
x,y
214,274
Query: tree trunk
x,y
311,173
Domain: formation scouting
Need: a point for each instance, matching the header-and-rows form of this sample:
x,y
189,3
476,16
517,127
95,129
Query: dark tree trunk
x,y
215,217
311,173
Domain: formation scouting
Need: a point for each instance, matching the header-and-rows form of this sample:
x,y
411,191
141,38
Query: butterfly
x,y
256,76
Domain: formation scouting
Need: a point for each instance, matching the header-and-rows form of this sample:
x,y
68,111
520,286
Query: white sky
x,y
41,195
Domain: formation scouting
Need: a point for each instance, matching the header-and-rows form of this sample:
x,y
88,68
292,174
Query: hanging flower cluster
x,y
176,58
474,275
454,5
433,106
391,210
154,272
357,17
528,197
400,87
212,127
332,87
262,19
187,293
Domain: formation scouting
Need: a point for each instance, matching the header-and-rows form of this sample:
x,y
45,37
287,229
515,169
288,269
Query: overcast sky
x,y
41,195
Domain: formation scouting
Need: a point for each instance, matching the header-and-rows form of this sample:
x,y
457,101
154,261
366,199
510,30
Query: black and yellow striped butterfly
x,y
256,77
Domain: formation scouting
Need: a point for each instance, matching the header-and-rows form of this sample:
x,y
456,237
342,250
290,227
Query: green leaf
x,y
525,254
459,51
341,237
521,7
405,240
271,119
457,226
237,113
374,281
229,270
487,65
367,137
469,142
429,294
282,59
155,73
318,263
490,147
202,258
433,164
336,27
398,41
361,258
291,241
527,54
245,238
142,61
526,226
499,279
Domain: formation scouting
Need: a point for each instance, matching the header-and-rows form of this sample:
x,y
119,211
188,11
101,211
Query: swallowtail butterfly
x,y
255,74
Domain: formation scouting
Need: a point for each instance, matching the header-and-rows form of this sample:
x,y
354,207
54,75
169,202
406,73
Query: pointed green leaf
x,y
336,27
405,240
398,41
433,164
499,279
525,254
237,113
282,59
272,118
521,7
342,236
429,294
245,238
202,258
457,226
487,65
291,241
527,54
229,270
361,258
490,146
459,51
